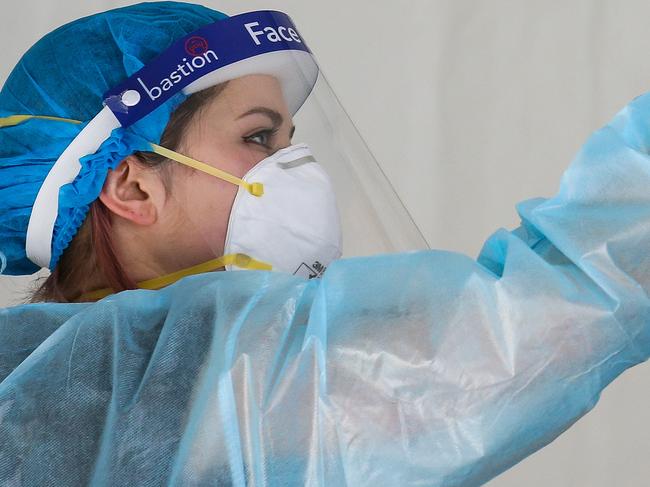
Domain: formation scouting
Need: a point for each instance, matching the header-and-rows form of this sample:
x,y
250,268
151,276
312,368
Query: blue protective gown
x,y
412,369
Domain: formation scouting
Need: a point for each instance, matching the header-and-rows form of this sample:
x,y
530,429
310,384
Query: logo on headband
x,y
240,38
195,46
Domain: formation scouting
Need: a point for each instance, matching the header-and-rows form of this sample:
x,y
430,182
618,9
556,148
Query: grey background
x,y
469,107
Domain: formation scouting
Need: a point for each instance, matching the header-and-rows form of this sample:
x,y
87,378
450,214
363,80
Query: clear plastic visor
x,y
321,184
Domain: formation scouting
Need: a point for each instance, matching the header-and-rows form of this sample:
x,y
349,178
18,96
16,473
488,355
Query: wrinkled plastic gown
x,y
411,369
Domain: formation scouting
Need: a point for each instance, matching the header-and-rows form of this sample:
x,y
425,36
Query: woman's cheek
x,y
216,204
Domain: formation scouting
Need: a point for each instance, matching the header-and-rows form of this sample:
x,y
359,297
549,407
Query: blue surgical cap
x,y
65,74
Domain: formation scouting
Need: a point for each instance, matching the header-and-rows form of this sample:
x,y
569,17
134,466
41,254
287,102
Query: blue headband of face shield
x,y
263,42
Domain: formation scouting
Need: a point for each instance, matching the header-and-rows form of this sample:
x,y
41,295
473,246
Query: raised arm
x,y
414,369
438,370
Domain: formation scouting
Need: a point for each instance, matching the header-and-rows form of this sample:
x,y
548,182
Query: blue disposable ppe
x,y
66,74
409,369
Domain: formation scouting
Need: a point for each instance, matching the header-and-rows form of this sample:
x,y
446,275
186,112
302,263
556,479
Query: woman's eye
x,y
261,138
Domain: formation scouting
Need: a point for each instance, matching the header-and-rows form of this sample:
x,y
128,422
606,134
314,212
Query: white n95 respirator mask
x,y
295,225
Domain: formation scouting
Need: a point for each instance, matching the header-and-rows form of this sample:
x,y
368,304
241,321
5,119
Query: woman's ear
x,y
134,192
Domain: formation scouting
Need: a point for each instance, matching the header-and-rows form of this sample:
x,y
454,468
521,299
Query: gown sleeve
x,y
415,369
434,369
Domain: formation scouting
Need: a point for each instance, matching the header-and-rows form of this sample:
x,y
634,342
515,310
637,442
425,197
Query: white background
x,y
469,107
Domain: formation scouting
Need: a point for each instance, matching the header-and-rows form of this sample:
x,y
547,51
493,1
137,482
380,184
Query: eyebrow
x,y
276,117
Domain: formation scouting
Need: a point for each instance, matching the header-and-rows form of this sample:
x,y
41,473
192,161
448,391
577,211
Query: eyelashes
x,y
266,136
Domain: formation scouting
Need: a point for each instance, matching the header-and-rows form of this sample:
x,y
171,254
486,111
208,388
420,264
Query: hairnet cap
x,y
65,74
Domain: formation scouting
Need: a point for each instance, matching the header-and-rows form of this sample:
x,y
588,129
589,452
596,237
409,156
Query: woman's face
x,y
247,122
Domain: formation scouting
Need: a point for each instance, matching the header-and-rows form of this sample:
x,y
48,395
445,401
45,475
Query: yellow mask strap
x,y
256,189
239,260
18,119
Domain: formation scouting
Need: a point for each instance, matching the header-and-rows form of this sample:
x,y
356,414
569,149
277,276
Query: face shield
x,y
275,175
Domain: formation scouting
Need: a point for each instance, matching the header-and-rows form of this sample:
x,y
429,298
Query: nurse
x,y
143,148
